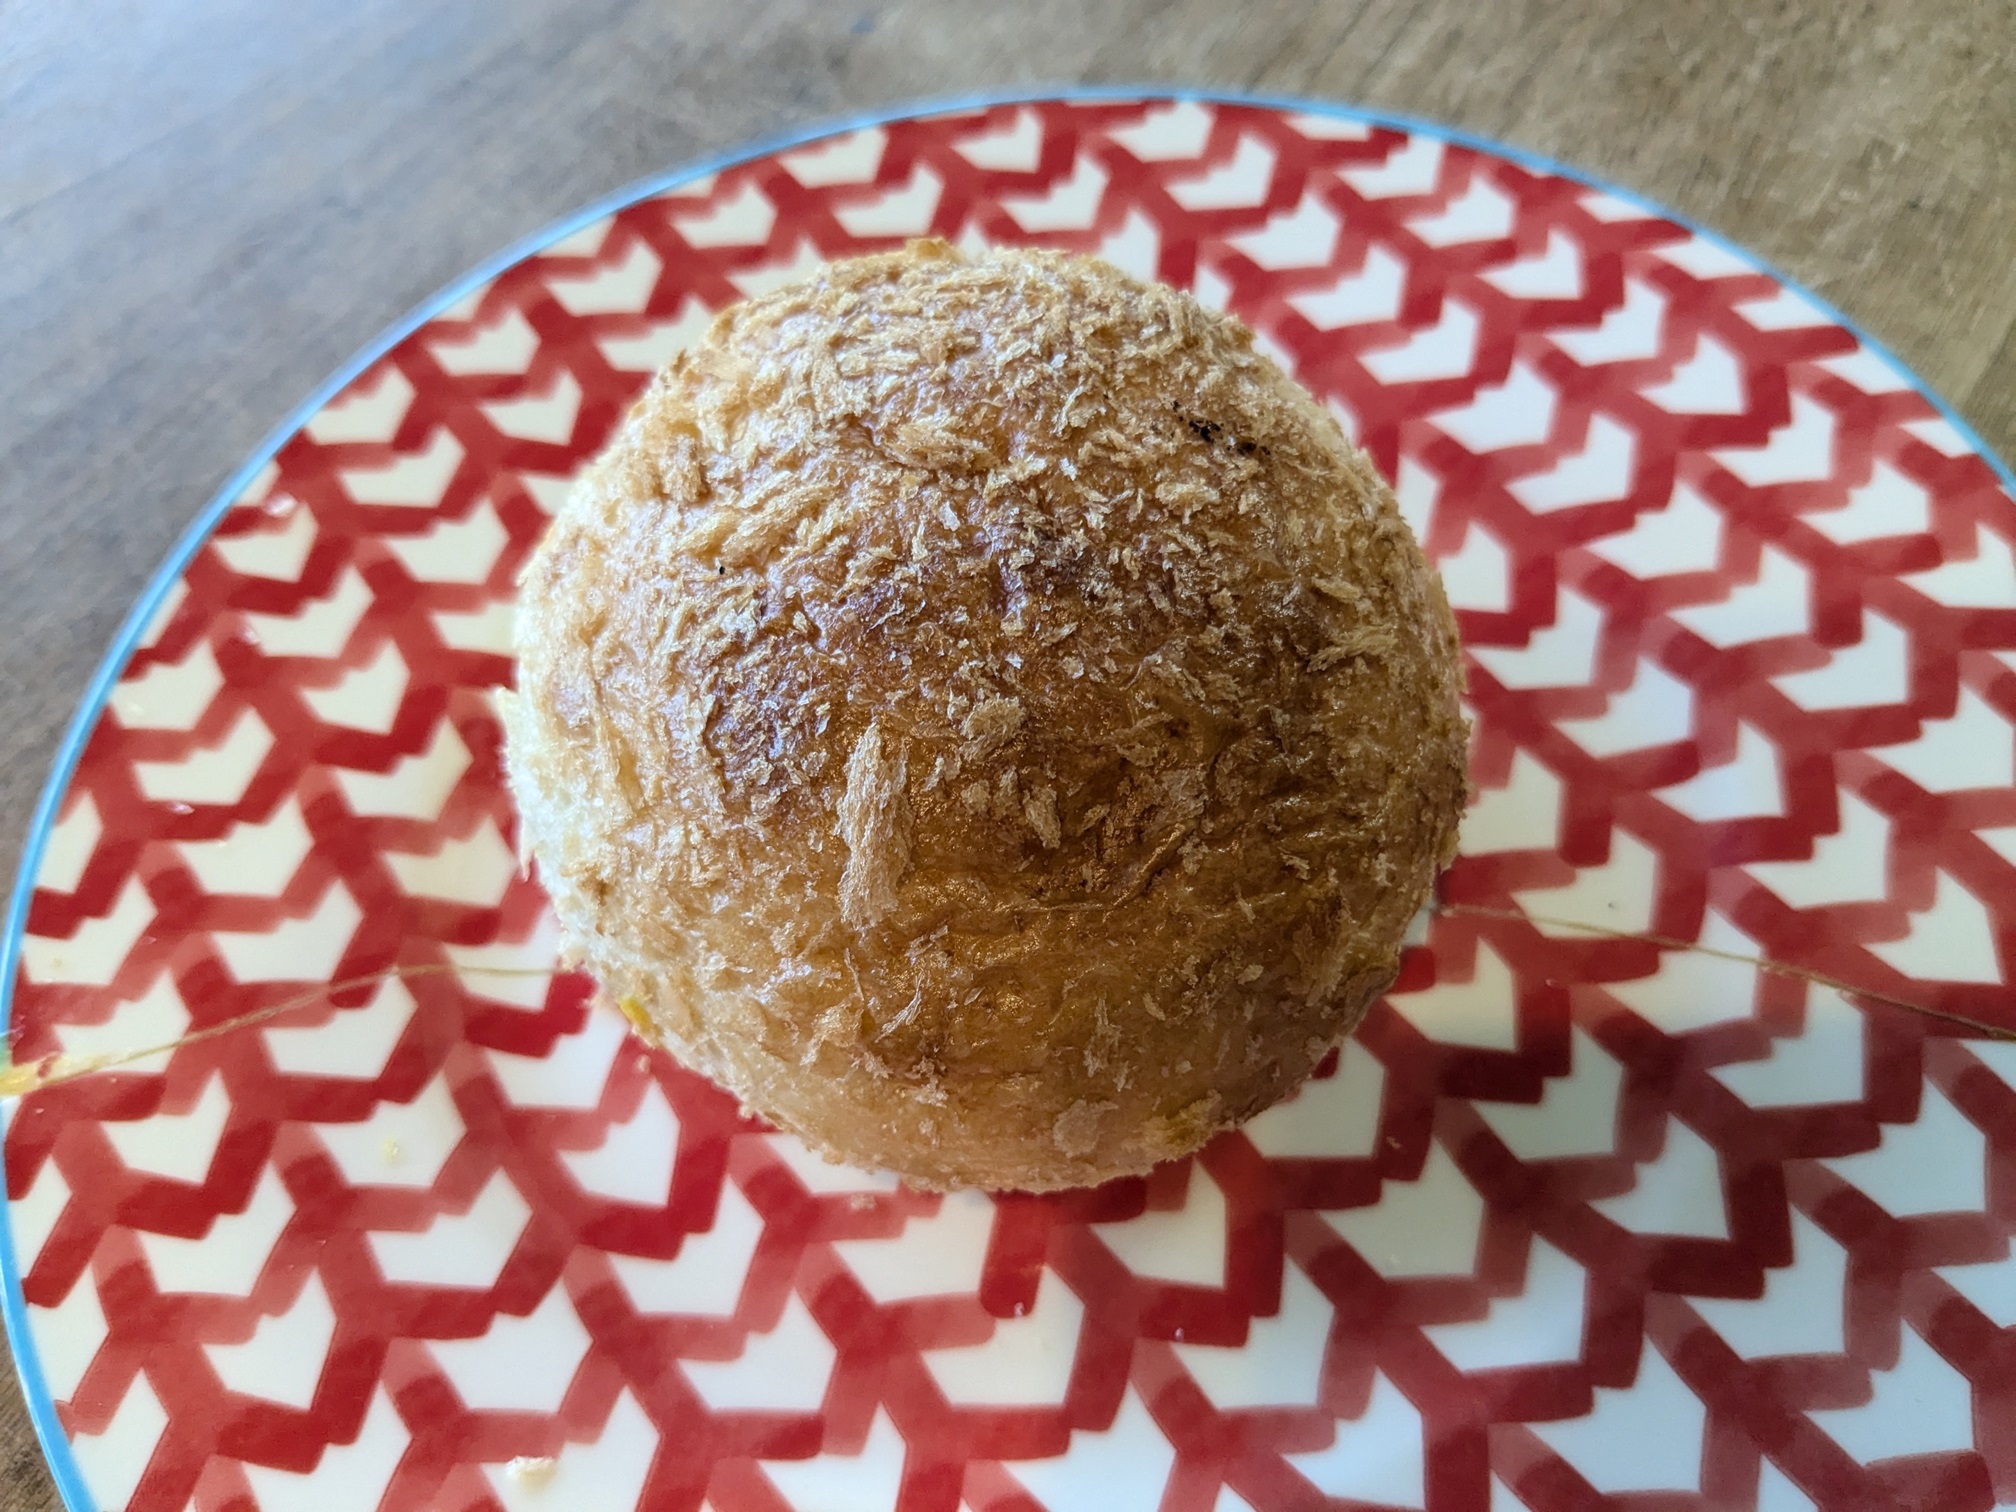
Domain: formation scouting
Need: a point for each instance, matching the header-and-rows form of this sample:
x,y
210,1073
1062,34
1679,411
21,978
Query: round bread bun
x,y
987,717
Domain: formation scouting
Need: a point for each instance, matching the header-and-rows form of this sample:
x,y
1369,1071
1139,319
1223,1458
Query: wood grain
x,y
205,207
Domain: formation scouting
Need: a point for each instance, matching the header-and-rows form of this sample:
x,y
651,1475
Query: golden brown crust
x,y
988,717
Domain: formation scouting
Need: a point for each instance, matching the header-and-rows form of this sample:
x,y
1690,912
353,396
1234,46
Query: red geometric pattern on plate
x,y
1574,1222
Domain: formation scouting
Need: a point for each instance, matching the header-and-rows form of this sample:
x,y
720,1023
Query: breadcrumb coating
x,y
986,716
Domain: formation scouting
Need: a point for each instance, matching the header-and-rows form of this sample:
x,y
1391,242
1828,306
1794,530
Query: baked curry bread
x,y
985,715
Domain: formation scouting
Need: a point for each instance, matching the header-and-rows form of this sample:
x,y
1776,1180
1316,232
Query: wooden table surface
x,y
205,207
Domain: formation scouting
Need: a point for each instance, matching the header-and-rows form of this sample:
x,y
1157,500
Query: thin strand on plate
x,y
1762,963
16,1080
